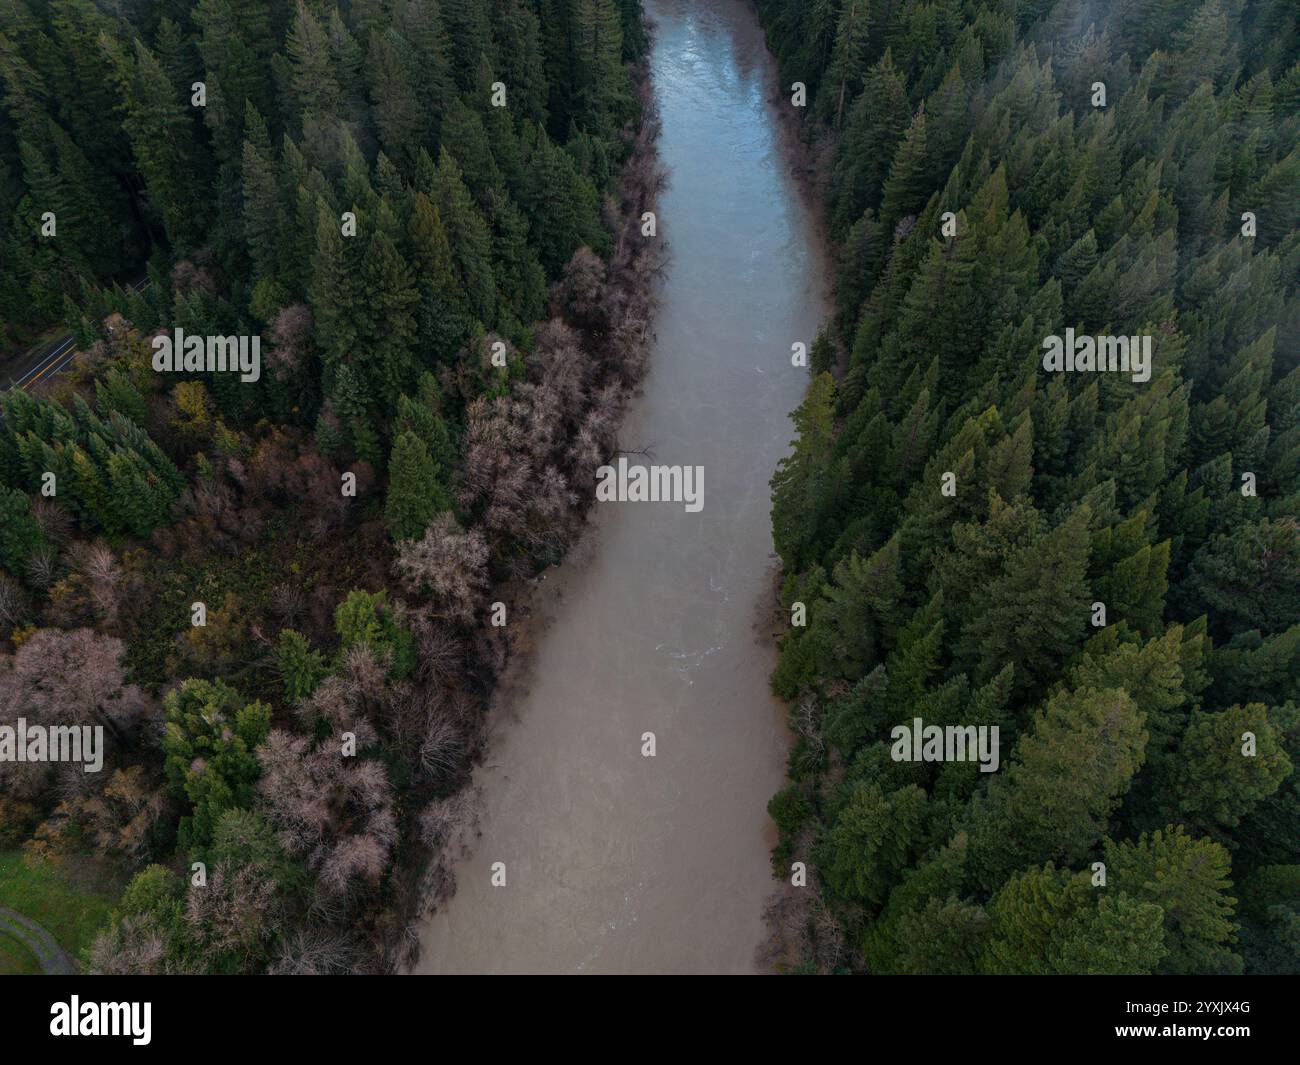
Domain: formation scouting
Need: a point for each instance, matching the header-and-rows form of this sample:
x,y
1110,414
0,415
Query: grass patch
x,y
68,904
15,959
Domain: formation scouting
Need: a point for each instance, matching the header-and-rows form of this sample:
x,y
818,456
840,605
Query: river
x,y
660,620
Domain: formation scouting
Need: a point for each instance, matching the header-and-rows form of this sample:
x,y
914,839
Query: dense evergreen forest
x,y
276,596
1106,569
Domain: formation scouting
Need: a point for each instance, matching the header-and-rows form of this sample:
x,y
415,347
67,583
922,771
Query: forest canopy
x,y
1105,569
272,590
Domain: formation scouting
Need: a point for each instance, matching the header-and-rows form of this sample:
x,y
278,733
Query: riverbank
x,y
633,752
630,291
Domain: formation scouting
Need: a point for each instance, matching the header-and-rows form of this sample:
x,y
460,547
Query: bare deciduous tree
x,y
138,946
41,567
67,678
449,565
288,602
14,603
316,950
579,293
446,828
442,749
441,652
291,343
237,911
54,522
522,502
335,811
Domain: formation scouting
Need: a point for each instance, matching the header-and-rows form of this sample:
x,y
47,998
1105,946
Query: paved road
x,y
52,359
55,961
48,362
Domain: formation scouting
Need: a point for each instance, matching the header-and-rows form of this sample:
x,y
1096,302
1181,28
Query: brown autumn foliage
x,y
188,277
117,821
237,912
137,947
17,821
336,812
55,523
316,949
290,336
529,462
90,593
448,566
73,677
14,604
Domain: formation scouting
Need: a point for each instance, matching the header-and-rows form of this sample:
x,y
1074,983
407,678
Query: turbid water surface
x,y
659,622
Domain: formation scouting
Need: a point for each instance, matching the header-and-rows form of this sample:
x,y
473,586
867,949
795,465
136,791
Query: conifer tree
x,y
301,667
855,616
469,236
561,205
519,276
801,484
1036,612
1227,762
443,309
848,54
1043,922
20,536
401,117
904,188
601,98
163,144
415,488
262,207
468,27
871,842
1188,880
1054,801
209,744
315,84
517,48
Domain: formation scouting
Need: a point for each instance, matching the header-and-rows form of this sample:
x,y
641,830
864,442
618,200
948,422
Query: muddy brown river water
x,y
659,621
